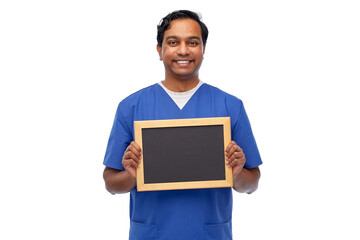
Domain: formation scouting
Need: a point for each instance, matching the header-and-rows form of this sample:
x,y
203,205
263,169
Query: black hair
x,y
180,14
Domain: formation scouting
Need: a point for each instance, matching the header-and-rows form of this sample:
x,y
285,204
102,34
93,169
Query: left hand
x,y
235,158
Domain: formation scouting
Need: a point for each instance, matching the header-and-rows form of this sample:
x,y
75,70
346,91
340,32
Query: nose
x,y
183,49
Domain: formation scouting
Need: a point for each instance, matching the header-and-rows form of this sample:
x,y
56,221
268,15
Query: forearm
x,y
247,180
117,181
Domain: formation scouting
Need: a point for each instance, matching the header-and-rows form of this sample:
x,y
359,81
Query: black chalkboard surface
x,y
183,153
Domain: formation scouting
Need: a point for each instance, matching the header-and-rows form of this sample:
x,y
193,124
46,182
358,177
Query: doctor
x,y
180,214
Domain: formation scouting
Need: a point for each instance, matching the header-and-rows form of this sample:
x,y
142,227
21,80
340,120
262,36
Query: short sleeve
x,y
242,134
119,140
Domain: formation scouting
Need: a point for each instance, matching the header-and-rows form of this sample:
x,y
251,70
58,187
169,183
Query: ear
x,y
204,49
159,50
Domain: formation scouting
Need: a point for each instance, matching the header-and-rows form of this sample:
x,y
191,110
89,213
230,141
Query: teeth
x,y
183,61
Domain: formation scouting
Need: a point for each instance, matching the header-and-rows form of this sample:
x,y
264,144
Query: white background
x,y
65,65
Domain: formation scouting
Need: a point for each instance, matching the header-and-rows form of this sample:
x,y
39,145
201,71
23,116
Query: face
x,y
182,49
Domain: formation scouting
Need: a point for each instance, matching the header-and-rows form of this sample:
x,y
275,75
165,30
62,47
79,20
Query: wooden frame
x,y
223,122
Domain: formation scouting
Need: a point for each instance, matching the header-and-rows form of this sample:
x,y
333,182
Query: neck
x,y
180,85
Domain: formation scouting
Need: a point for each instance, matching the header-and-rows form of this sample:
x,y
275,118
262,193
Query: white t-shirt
x,y
181,98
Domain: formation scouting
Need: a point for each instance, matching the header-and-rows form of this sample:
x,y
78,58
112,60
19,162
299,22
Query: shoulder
x,y
230,100
139,94
127,107
134,98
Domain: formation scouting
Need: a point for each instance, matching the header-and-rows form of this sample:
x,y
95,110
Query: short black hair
x,y
180,14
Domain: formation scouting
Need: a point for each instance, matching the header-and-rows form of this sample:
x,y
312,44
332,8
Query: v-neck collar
x,y
174,105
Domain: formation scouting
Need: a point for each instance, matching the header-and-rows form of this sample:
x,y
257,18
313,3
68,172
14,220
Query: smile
x,y
183,61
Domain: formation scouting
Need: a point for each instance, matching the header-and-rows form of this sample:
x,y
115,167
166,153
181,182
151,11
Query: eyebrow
x,y
175,37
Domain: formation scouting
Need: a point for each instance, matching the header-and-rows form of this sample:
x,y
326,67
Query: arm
x,y
245,180
117,181
122,181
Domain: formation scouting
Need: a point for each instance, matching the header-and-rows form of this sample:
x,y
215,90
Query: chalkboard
x,y
183,153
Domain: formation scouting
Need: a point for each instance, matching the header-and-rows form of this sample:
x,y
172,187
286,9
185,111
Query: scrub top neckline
x,y
181,98
188,102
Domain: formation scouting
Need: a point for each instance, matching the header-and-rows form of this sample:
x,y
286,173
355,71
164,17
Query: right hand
x,y
131,158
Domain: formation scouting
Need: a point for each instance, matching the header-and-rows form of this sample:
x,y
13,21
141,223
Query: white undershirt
x,y
181,98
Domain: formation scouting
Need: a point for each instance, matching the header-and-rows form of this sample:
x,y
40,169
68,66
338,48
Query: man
x,y
180,214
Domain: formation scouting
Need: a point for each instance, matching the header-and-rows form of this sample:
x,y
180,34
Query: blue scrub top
x,y
180,214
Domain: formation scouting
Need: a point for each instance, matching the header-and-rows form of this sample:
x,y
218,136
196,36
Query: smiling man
x,y
182,52
180,214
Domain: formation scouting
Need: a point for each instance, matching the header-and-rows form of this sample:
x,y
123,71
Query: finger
x,y
132,153
136,146
129,163
237,161
238,154
132,156
232,150
234,156
230,146
134,149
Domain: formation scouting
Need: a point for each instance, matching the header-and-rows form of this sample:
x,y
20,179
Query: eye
x,y
172,42
194,43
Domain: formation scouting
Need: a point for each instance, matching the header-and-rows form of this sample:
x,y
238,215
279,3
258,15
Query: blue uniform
x,y
180,214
